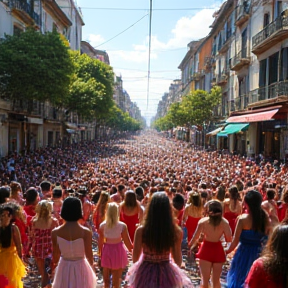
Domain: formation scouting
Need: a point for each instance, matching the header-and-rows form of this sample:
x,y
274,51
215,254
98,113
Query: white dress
x,y
73,270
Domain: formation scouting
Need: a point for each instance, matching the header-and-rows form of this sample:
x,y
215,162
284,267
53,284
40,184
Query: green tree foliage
x,y
91,91
35,66
121,121
195,109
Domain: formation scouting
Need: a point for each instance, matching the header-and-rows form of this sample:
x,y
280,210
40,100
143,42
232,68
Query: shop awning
x,y
214,132
71,131
71,125
233,128
253,117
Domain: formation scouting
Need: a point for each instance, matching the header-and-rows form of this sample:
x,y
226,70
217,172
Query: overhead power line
x,y
144,9
121,31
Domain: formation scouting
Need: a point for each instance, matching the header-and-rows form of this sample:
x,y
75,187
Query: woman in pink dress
x,y
111,248
72,249
157,252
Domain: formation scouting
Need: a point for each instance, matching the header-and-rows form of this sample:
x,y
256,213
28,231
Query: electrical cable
x,y
121,32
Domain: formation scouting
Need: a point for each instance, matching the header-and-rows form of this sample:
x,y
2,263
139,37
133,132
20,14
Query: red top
x,y
282,211
131,222
258,277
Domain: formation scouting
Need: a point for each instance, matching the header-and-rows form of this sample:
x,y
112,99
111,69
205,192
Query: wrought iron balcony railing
x,y
241,59
241,102
25,7
272,91
277,25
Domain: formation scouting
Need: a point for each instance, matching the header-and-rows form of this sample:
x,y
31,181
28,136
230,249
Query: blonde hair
x,y
112,215
43,210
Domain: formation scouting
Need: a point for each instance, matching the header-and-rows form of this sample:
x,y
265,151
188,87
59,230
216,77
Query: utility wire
x,y
144,9
149,51
121,32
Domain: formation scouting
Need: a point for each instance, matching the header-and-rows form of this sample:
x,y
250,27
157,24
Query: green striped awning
x,y
233,128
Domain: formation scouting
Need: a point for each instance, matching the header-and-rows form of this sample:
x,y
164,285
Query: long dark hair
x,y
130,200
259,218
159,229
275,255
6,232
234,195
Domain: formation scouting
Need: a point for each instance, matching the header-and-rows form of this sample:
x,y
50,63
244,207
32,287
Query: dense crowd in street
x,y
143,197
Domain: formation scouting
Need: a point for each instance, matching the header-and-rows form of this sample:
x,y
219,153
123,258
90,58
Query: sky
x,y
121,28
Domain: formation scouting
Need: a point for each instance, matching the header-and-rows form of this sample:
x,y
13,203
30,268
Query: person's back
x,y
72,249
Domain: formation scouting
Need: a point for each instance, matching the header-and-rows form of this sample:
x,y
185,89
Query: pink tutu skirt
x,y
114,256
74,274
153,274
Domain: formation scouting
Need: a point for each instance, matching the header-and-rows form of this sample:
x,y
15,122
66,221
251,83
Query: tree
x,y
198,106
91,91
35,66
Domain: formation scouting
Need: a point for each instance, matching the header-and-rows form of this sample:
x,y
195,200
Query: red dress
x,y
131,222
41,243
258,277
191,225
212,252
282,211
232,219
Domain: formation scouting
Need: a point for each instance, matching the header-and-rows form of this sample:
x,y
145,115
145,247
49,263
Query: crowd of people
x,y
147,195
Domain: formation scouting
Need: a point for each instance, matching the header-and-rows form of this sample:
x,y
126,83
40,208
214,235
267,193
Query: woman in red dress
x,y
100,210
193,213
270,270
232,207
211,252
130,212
284,204
40,237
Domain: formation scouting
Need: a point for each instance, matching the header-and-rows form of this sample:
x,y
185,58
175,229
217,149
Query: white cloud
x,y
95,40
188,29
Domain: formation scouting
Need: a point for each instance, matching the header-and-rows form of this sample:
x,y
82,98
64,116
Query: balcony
x,y
196,76
24,11
222,79
271,34
231,106
226,44
240,60
242,14
241,102
277,91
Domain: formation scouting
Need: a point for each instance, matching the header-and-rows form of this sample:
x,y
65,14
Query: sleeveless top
x,y
114,232
71,250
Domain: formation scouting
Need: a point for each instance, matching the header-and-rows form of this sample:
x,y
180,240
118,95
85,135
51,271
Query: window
x,y
273,68
284,65
262,73
17,30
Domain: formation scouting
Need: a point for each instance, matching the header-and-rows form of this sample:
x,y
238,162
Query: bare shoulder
x,y
203,220
14,228
87,231
139,230
225,221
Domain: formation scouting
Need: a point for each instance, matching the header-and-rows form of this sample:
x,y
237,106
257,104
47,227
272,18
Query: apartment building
x,y
23,126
